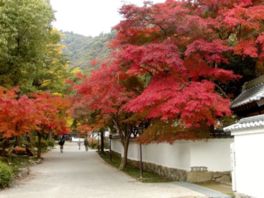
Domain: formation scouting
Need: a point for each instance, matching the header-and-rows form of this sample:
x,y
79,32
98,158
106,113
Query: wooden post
x,y
39,145
102,141
98,142
141,162
110,147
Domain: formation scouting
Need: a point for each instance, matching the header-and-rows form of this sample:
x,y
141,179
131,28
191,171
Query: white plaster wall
x,y
214,154
249,164
117,146
133,151
168,155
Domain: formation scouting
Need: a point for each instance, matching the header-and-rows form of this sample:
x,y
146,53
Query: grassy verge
x,y
148,177
18,162
12,166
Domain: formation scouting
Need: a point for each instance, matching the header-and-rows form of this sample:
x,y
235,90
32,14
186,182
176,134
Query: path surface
x,y
80,174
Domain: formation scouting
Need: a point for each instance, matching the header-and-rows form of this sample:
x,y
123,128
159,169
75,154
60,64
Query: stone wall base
x,y
205,176
183,175
172,173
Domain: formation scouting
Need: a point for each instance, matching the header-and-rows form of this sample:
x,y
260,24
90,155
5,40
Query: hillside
x,y
81,50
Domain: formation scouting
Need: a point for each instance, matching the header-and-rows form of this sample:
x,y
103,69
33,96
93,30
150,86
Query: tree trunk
x,y
50,138
39,146
4,145
102,141
125,144
16,141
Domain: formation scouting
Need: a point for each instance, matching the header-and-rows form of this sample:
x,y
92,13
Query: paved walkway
x,y
77,174
208,192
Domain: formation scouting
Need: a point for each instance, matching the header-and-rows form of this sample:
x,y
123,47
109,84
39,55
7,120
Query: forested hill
x,y
81,50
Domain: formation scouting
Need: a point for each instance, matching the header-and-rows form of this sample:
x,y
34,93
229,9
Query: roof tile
x,y
249,122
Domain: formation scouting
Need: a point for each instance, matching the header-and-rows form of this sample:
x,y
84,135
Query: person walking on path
x,y
79,143
61,143
85,144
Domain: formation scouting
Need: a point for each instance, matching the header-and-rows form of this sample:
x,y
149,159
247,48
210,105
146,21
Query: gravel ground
x,y
78,174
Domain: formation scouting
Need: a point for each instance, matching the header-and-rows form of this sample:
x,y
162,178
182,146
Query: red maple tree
x,y
40,113
101,97
17,115
168,61
51,115
177,48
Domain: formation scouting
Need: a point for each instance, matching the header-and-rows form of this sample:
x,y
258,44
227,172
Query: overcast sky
x,y
89,17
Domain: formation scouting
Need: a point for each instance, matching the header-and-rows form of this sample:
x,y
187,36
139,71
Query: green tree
x,y
28,44
52,73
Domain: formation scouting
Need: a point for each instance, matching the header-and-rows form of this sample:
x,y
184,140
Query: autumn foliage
x,y
17,117
176,45
41,112
169,61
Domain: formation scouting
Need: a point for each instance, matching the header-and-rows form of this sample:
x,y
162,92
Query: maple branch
x,y
118,128
221,91
150,20
162,29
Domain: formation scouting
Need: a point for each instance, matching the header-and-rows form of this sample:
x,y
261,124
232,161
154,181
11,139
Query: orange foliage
x,y
52,112
41,112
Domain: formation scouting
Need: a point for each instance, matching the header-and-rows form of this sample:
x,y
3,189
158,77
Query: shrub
x,y
43,144
6,174
92,143
51,142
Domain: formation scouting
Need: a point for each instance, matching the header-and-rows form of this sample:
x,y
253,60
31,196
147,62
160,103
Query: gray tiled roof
x,y
249,95
249,122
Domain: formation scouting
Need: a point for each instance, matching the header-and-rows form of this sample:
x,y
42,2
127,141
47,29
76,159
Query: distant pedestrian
x,y
85,144
79,143
61,143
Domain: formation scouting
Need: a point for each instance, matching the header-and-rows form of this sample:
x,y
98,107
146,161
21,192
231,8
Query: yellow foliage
x,y
76,70
69,121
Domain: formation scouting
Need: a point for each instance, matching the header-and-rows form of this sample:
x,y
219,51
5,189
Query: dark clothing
x,y
86,144
61,143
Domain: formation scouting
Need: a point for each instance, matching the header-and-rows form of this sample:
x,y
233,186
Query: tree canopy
x,y
33,71
176,59
41,112
29,49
